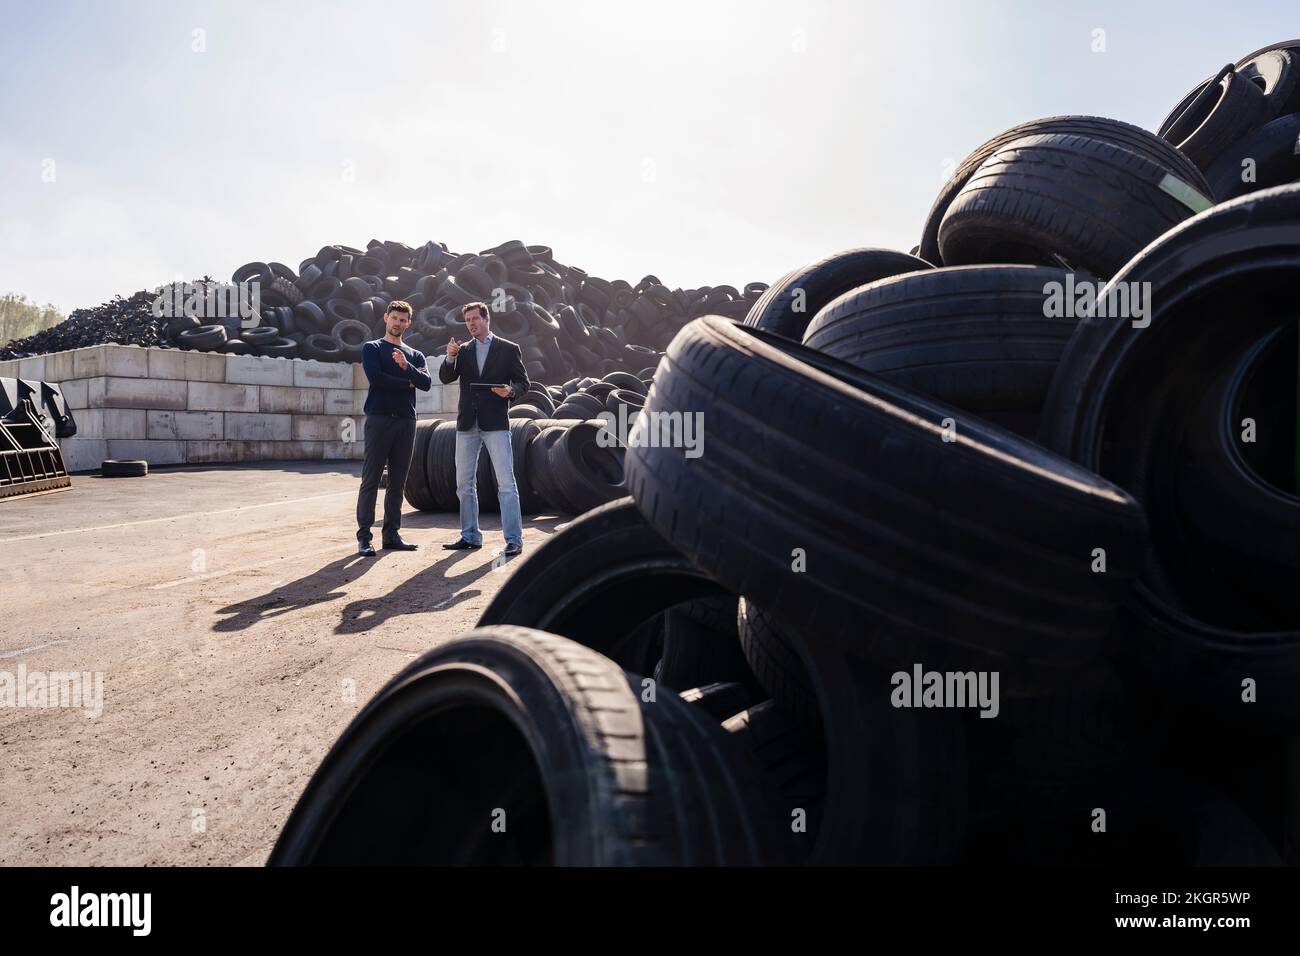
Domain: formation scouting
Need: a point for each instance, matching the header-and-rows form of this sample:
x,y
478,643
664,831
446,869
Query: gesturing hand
x,y
452,347
400,358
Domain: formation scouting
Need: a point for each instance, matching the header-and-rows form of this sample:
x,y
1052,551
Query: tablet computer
x,y
489,384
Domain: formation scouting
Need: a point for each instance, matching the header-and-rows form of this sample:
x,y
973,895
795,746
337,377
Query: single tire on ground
x,y
124,468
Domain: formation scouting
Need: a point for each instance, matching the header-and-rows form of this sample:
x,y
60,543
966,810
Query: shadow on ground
x,y
420,592
316,588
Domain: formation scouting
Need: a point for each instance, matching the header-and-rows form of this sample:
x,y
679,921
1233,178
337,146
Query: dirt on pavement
x,y
237,631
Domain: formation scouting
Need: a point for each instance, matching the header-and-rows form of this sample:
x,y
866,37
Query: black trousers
x,y
389,441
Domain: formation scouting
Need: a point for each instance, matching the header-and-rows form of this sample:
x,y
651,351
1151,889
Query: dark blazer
x,y
482,406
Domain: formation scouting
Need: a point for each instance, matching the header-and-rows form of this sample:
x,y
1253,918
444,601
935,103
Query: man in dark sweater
x,y
395,371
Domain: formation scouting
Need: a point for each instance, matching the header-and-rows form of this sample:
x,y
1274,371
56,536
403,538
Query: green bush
x,y
20,318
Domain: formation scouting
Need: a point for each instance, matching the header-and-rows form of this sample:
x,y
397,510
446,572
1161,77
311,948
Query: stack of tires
x,y
566,322
567,459
988,548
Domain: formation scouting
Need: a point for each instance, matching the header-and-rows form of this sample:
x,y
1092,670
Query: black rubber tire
x,y
587,772
440,466
633,400
124,468
701,646
286,289
1133,138
527,411
1239,527
599,392
350,335
522,433
971,550
285,321
179,324
1272,147
539,468
587,474
1192,110
1091,203
308,275
625,380
1237,108
322,348
597,579
773,658
236,347
416,491
310,317
719,701
538,397
1119,403
790,303
340,310
1047,757
896,778
358,289
580,405
204,338
326,289
976,337
643,646
251,271
569,410
792,761
1277,72
261,335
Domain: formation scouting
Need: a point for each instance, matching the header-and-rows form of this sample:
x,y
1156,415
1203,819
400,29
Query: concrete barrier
x,y
171,407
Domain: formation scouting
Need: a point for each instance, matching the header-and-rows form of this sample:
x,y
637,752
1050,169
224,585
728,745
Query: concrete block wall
x,y
171,407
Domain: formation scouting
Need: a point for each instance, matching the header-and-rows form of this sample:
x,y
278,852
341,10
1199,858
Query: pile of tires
x,y
566,322
128,320
563,462
960,576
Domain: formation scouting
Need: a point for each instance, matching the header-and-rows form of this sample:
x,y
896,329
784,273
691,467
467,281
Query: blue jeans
x,y
468,444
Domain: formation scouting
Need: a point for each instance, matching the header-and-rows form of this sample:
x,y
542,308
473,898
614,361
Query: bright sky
x,y
705,142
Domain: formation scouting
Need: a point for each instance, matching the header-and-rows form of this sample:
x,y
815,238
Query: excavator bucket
x,y
30,460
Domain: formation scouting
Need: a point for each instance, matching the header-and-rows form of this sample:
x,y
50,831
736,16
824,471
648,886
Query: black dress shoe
x,y
461,545
513,549
366,550
399,545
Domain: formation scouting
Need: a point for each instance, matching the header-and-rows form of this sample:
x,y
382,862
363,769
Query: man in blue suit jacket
x,y
395,371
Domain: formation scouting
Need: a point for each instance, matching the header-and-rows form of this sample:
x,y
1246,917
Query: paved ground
x,y
237,632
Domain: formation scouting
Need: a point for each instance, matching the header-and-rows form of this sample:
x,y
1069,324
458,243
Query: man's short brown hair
x,y
398,305
481,306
